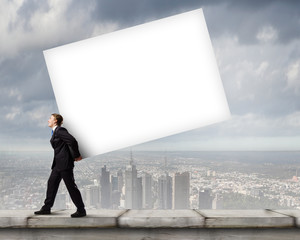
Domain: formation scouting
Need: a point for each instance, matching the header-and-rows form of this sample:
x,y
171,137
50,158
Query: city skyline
x,y
143,180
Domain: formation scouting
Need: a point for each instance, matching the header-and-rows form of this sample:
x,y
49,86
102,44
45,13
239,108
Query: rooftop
x,y
153,224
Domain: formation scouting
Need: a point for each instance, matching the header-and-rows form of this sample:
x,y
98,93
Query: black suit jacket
x,y
61,142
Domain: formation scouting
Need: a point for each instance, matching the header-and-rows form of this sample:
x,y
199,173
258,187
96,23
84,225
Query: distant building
x,y
147,191
181,190
92,196
205,199
131,193
105,188
165,192
256,192
138,199
114,183
218,202
60,201
295,179
115,199
120,180
116,190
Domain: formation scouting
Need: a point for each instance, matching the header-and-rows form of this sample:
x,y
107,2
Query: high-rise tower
x,y
147,191
205,199
105,188
181,190
131,191
165,192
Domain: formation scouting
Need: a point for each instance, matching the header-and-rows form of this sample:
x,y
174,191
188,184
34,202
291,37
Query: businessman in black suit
x,y
65,153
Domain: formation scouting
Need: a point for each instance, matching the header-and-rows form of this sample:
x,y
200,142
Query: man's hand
x,y
78,159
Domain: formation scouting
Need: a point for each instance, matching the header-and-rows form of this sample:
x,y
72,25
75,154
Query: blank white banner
x,y
138,84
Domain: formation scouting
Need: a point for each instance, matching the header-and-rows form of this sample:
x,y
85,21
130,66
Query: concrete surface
x,y
246,218
152,224
161,219
291,213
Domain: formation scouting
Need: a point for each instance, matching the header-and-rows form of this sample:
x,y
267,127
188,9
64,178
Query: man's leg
x,y
53,184
74,192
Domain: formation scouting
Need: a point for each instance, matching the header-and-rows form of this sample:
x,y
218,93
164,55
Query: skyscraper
x,y
120,180
147,191
114,183
131,186
92,196
115,199
181,190
165,192
205,199
105,188
60,201
218,202
138,198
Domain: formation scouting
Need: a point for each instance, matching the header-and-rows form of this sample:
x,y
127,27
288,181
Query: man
x,y
64,145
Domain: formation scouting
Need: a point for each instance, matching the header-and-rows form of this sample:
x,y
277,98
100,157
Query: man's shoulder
x,y
59,128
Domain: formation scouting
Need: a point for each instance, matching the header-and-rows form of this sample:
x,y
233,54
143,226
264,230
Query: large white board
x,y
138,84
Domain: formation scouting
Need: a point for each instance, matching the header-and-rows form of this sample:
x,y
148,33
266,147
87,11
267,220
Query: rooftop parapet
x,y
152,224
153,219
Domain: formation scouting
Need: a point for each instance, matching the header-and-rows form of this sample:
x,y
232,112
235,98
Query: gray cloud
x,y
242,18
26,93
28,74
260,78
247,18
256,43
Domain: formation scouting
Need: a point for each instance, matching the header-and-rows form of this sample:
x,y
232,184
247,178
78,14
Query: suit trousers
x,y
53,184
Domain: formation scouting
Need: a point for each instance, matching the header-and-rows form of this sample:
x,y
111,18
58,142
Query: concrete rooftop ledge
x,y
133,219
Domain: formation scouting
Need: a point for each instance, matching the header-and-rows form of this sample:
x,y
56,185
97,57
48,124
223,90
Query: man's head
x,y
55,120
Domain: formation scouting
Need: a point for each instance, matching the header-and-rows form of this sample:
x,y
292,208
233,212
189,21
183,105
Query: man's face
x,y
52,121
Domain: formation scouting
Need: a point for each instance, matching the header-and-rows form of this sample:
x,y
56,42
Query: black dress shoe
x,y
42,212
78,214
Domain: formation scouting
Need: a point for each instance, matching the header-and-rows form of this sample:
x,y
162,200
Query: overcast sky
x,y
256,43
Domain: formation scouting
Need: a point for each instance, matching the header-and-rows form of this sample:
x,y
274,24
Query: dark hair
x,y
59,119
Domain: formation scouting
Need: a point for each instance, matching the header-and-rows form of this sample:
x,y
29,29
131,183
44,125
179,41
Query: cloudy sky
x,y
256,43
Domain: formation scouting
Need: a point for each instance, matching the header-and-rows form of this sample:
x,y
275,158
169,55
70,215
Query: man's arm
x,y
70,140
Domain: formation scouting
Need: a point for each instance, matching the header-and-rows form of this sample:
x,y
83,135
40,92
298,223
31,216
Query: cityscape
x,y
158,180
